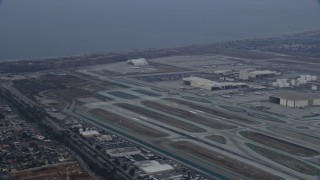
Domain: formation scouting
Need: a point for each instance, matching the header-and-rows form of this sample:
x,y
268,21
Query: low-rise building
x,y
253,74
212,85
122,152
153,167
222,72
104,138
90,133
294,99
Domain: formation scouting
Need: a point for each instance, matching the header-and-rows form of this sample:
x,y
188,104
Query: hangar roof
x,y
295,96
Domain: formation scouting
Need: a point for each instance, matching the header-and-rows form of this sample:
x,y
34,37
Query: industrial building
x,y
223,72
282,83
253,74
153,167
211,85
89,133
294,99
302,80
138,62
122,152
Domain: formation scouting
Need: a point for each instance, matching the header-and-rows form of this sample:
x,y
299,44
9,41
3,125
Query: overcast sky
x,y
195,4
40,28
185,4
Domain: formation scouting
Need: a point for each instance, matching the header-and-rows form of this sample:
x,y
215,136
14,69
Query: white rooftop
x,y
213,83
192,78
138,62
153,167
262,72
89,133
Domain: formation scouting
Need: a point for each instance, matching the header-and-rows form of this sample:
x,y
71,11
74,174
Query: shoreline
x,y
303,46
163,48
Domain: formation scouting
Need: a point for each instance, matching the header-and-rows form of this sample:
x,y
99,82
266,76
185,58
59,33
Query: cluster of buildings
x,y
265,78
245,74
157,170
137,161
229,79
23,147
300,81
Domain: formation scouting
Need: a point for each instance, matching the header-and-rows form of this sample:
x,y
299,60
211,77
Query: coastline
x,y
263,48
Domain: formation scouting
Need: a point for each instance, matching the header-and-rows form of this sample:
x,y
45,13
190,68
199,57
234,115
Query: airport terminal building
x,y
212,85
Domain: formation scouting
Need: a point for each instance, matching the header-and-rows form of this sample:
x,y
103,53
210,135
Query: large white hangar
x,y
138,62
294,99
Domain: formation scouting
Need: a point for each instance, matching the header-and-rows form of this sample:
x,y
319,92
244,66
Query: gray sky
x,y
40,28
210,4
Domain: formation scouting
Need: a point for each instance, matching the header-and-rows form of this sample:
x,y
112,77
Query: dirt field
x,y
58,172
234,109
70,94
217,138
212,111
111,85
148,93
164,68
265,117
224,161
279,144
62,79
287,161
160,117
188,115
191,98
123,95
294,134
127,123
33,86
30,87
105,72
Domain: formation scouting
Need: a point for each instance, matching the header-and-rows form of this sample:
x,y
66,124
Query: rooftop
x,y
138,62
151,167
295,96
263,72
202,81
89,133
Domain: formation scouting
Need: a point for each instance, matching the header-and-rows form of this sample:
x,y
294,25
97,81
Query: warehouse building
x,y
122,152
223,72
294,99
211,85
253,74
153,167
89,133
138,62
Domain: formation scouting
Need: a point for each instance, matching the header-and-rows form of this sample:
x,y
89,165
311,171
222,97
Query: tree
x,y
125,166
2,116
132,171
98,147
116,161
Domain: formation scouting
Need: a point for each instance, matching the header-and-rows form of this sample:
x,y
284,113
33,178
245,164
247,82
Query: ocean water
x,y
46,28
